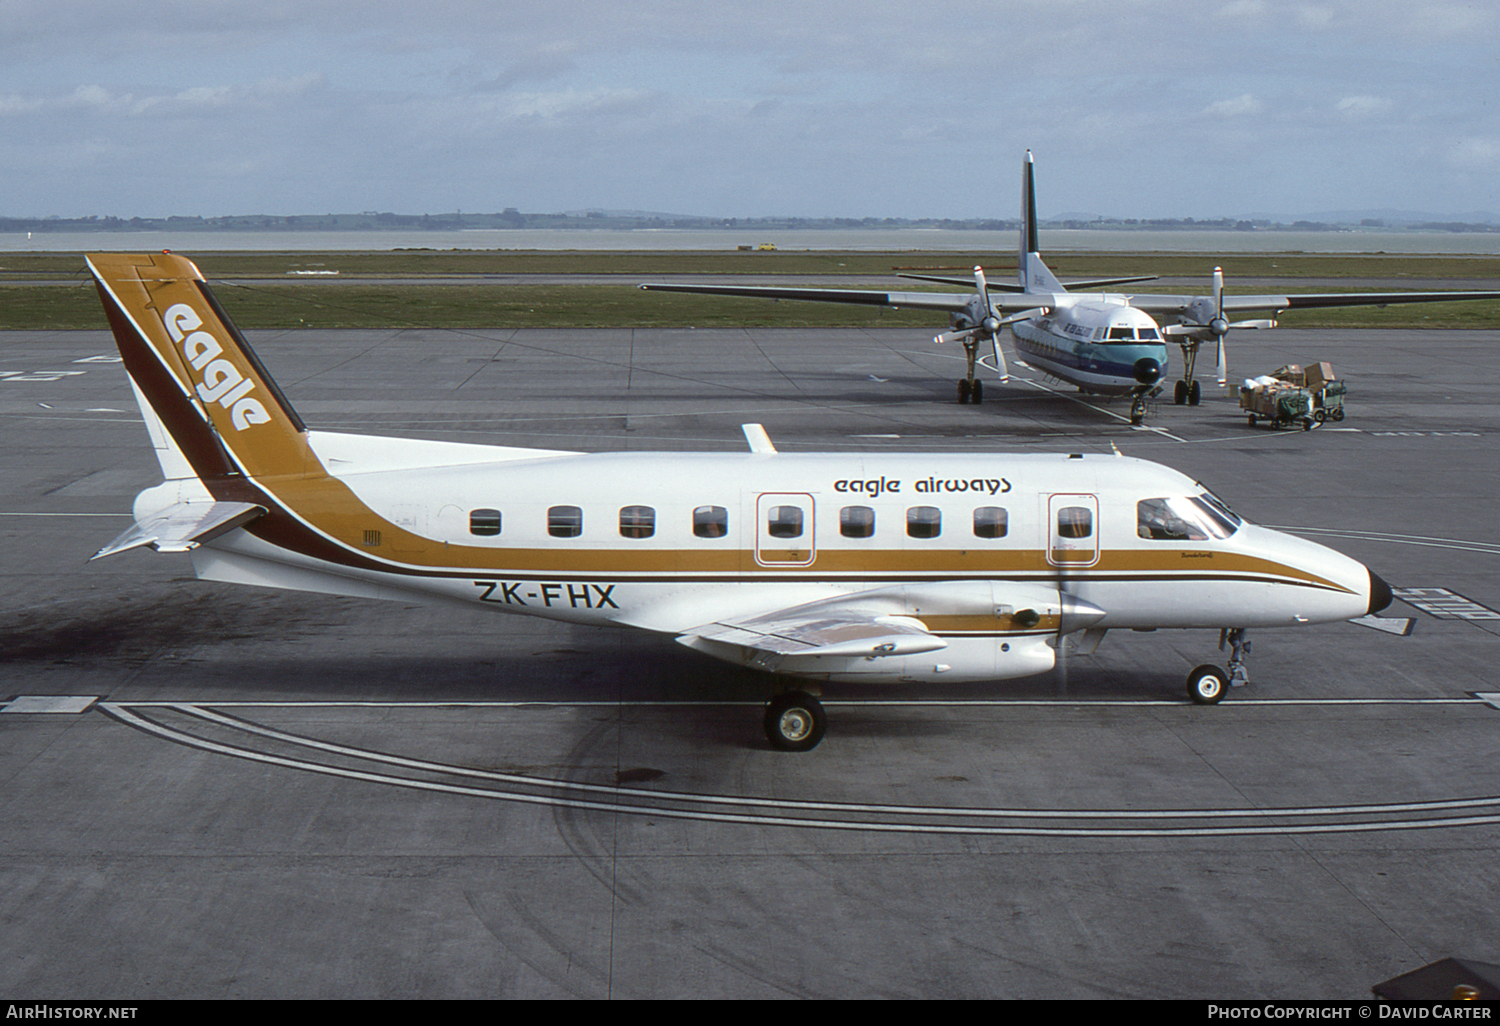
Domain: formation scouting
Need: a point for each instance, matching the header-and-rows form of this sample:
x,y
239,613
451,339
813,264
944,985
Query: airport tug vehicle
x,y
818,569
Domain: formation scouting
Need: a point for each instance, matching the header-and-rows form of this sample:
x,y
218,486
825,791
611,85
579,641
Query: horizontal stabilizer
x,y
1072,286
183,526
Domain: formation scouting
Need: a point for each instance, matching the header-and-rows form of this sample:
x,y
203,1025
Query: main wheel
x,y
795,721
963,392
976,393
1206,685
1180,393
1195,393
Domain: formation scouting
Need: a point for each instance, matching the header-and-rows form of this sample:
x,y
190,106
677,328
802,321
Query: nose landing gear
x,y
1207,684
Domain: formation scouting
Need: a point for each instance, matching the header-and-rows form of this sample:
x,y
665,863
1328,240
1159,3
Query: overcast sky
x,y
1133,108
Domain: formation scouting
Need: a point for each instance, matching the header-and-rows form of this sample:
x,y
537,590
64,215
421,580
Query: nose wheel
x,y
795,721
1208,684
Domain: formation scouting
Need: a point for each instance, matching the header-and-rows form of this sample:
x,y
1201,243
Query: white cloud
x,y
1238,107
1363,106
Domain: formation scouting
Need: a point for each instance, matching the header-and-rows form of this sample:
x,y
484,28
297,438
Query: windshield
x,y
1184,518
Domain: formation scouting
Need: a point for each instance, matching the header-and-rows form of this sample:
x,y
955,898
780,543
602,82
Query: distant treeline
x,y
514,219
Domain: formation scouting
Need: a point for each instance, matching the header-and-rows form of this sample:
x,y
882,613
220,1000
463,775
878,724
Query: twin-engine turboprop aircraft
x,y
1105,343
818,569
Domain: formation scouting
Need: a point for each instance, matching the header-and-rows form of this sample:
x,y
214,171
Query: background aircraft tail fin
x,y
1034,276
210,406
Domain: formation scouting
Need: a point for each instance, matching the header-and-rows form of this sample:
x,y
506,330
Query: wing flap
x,y
845,633
183,526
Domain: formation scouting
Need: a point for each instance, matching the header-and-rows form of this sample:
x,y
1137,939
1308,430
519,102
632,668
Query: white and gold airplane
x,y
1105,343
816,568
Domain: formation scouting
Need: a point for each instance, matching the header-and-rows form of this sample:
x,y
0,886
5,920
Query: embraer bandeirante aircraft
x,y
1105,343
818,569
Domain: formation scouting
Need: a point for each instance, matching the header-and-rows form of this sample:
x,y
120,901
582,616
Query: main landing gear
x,y
795,721
1207,684
1187,393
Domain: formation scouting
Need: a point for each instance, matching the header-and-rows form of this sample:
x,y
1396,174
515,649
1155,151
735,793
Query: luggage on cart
x,y
1294,396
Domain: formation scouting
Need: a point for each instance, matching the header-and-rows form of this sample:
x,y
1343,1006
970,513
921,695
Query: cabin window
x,y
565,521
484,522
1075,522
784,522
856,521
991,522
710,522
924,521
637,521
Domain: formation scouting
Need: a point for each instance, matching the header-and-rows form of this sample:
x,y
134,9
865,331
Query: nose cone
x,y
1380,593
1147,371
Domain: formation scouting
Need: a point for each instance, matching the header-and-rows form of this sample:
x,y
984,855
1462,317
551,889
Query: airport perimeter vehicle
x,y
1105,343
817,568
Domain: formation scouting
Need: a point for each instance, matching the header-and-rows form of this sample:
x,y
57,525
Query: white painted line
x,y
775,811
998,703
73,704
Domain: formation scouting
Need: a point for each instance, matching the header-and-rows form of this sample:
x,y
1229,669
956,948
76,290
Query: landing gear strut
x,y
970,389
1207,684
795,721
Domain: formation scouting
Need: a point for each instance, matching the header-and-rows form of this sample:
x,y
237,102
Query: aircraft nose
x,y
1380,593
1147,371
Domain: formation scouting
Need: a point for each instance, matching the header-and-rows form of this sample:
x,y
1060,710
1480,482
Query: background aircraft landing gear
x,y
795,721
1138,411
1189,393
971,391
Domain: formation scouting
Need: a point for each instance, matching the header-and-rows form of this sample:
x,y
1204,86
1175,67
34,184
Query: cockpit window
x,y
1145,334
1180,518
1122,334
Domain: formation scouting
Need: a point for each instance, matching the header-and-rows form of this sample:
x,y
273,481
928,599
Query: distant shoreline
x,y
1178,240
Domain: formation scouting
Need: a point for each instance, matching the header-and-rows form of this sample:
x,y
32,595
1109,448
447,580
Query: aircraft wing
x,y
183,526
1154,304
826,632
949,301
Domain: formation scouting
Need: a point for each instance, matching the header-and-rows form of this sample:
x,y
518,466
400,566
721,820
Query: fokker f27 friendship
x,y
1111,344
819,569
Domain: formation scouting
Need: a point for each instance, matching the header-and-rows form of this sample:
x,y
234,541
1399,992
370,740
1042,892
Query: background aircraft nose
x,y
1147,371
1380,593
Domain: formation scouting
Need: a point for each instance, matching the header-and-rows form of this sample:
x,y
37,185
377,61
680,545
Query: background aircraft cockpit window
x,y
1180,519
1075,522
990,522
924,521
637,521
484,522
856,521
565,521
1122,334
710,522
1145,334
784,522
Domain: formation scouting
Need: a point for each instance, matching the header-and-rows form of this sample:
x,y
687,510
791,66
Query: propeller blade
x,y
1221,367
1219,292
1000,359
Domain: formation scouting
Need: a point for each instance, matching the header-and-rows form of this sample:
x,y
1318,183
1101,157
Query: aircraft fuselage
x,y
1098,343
